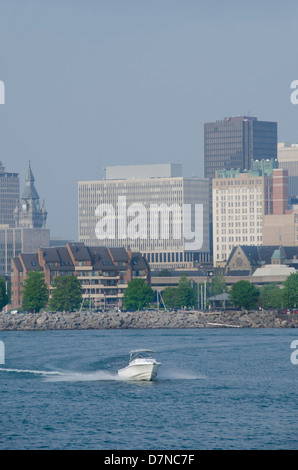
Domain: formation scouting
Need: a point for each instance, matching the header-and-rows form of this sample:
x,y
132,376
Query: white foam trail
x,y
27,371
82,376
67,376
102,375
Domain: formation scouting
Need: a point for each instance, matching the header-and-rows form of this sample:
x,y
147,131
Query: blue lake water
x,y
216,389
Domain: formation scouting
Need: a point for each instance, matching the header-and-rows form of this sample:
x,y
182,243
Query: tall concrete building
x,y
241,200
9,196
234,141
164,217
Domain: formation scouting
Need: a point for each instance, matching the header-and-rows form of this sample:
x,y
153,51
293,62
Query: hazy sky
x,y
91,83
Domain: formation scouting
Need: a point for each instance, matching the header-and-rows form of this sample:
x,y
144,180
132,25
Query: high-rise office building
x,y
148,213
235,141
9,196
241,201
287,156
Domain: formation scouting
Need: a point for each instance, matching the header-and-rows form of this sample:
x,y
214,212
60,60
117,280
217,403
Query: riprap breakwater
x,y
145,319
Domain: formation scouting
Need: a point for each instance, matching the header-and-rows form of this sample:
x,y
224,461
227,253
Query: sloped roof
x,y
138,262
79,251
220,297
101,259
30,261
18,264
274,270
260,255
120,254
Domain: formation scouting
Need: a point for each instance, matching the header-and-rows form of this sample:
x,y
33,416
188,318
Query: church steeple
x,y
30,190
30,214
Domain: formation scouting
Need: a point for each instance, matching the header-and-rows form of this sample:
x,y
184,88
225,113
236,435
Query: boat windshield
x,y
141,353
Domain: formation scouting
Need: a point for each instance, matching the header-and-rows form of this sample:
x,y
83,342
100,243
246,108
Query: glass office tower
x,y
235,141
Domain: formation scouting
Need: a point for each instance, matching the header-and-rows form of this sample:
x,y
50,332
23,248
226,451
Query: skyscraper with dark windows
x,y
235,141
232,143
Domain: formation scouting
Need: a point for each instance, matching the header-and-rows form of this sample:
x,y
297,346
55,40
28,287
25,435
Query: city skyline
x,y
90,84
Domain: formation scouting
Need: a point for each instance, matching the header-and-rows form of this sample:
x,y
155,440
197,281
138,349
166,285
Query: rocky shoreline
x,y
145,319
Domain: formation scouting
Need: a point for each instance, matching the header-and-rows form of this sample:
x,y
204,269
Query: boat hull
x,y
139,371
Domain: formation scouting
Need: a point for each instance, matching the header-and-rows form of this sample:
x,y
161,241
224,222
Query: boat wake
x,y
82,376
99,375
29,371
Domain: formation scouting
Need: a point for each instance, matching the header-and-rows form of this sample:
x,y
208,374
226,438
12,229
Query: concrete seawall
x,y
145,319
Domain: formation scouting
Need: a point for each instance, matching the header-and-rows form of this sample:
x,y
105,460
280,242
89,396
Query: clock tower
x,y
30,214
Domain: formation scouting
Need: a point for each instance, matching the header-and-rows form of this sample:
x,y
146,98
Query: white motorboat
x,y
142,366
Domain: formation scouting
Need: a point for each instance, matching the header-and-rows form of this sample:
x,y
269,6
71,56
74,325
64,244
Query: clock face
x,y
24,207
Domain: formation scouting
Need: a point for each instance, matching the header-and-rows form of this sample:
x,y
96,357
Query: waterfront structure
x,y
235,141
131,192
9,196
104,272
287,155
240,201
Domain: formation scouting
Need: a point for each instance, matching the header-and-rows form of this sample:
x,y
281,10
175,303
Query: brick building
x,y
104,272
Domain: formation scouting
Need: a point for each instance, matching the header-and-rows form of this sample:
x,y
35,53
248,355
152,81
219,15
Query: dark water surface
x,y
217,389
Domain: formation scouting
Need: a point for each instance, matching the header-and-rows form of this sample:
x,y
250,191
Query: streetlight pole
x,y
6,286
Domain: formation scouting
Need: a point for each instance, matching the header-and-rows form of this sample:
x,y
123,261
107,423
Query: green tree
x,y
137,295
186,292
185,295
171,298
244,294
217,286
290,291
3,294
35,292
271,296
66,294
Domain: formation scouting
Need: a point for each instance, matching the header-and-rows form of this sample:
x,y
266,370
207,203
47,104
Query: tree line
x,y
67,293
242,294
